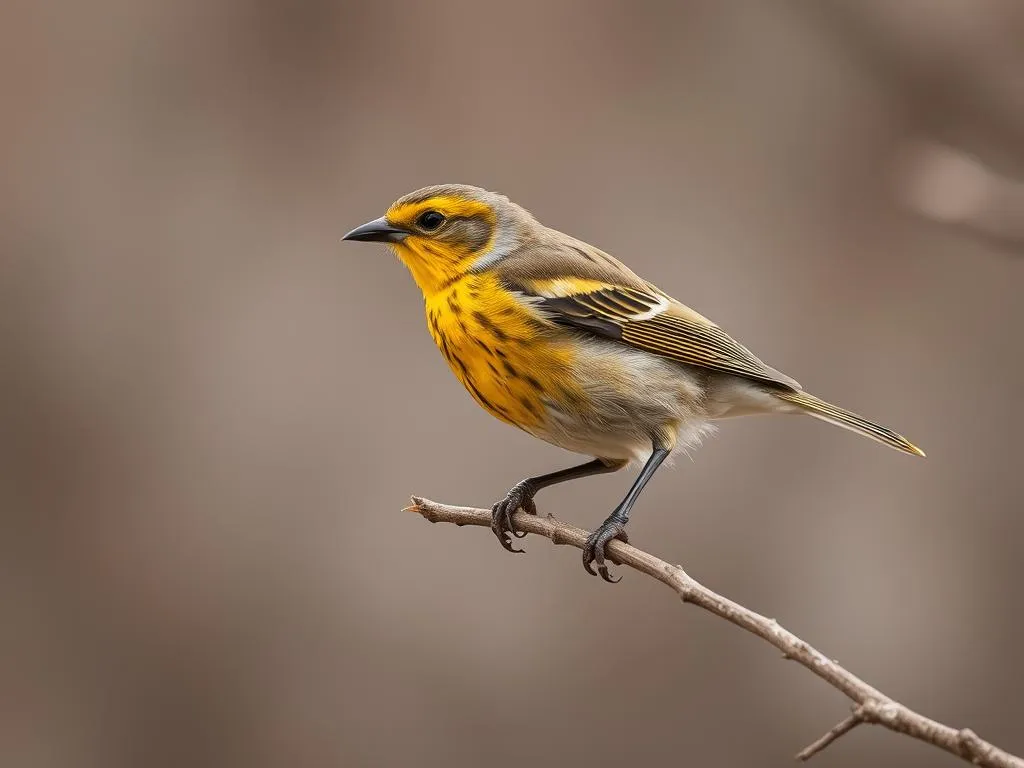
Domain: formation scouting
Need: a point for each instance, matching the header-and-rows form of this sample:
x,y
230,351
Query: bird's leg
x,y
522,493
615,526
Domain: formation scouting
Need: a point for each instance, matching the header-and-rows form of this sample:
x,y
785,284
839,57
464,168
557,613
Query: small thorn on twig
x,y
416,506
423,507
844,727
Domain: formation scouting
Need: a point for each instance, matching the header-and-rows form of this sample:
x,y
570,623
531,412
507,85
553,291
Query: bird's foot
x,y
519,497
593,550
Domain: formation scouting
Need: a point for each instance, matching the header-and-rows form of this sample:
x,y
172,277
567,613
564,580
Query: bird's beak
x,y
377,231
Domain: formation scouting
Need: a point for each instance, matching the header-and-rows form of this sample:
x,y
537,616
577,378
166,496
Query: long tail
x,y
833,414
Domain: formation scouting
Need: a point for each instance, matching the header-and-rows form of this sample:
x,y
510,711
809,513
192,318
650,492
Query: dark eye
x,y
430,220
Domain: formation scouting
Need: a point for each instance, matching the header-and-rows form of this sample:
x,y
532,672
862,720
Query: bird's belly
x,y
630,401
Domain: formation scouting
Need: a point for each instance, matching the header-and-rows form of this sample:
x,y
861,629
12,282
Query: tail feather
x,y
833,414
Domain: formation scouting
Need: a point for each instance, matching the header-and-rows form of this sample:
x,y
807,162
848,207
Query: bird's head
x,y
443,232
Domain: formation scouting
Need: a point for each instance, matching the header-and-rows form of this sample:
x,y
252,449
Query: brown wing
x,y
655,323
579,286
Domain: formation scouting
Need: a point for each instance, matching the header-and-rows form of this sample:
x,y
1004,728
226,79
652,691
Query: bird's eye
x,y
430,220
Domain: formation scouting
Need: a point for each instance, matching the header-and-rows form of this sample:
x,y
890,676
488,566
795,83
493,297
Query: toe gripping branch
x,y
520,496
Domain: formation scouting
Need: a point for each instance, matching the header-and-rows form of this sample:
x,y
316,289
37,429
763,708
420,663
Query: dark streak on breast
x,y
444,348
489,326
471,386
569,397
529,406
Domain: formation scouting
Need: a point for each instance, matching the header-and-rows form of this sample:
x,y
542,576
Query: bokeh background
x,y
212,412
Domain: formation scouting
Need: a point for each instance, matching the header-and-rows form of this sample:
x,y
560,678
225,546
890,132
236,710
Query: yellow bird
x,y
558,338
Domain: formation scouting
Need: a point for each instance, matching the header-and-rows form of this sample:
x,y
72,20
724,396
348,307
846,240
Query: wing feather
x,y
655,323
577,285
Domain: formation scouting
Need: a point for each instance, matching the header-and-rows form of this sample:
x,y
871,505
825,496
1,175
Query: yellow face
x,y
444,236
439,232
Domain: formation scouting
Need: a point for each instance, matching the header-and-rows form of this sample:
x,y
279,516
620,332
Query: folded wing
x,y
647,319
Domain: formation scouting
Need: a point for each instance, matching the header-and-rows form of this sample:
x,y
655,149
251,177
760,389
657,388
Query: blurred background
x,y
213,412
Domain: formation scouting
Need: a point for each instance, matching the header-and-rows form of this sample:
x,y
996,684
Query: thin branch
x,y
871,705
841,729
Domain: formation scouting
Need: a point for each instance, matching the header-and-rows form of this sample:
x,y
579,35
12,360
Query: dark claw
x,y
506,542
593,550
501,525
519,497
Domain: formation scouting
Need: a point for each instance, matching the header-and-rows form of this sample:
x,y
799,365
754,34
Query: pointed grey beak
x,y
377,231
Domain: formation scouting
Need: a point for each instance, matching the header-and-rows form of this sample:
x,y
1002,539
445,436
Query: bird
x,y
564,341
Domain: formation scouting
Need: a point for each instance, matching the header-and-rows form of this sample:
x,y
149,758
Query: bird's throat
x,y
434,267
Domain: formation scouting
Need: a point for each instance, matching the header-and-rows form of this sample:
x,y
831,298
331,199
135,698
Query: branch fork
x,y
870,705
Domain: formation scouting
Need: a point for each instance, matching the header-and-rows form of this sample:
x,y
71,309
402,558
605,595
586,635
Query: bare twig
x,y
842,727
870,704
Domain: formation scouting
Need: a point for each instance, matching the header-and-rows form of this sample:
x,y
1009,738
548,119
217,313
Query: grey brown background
x,y
211,411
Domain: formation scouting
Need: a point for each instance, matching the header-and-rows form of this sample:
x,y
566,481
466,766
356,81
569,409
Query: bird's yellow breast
x,y
509,360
